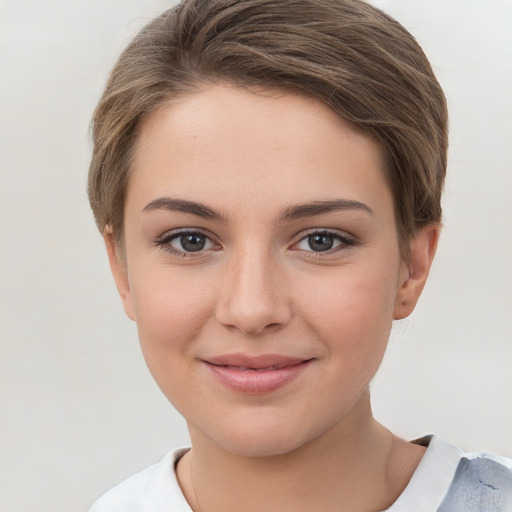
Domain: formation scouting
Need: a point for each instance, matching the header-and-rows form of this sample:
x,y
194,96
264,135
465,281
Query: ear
x,y
119,272
414,275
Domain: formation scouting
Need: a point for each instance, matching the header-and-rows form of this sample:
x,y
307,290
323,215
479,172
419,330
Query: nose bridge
x,y
253,296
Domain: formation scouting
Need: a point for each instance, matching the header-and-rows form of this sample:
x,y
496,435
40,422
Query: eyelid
x,y
184,230
346,240
163,242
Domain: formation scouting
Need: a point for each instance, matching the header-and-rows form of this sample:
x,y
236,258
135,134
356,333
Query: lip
x,y
256,375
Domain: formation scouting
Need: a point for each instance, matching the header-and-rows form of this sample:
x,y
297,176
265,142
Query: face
x,y
262,265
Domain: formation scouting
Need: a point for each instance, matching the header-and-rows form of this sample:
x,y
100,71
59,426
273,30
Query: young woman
x,y
267,178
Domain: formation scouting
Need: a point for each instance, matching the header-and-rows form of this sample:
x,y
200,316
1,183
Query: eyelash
x,y
346,242
164,242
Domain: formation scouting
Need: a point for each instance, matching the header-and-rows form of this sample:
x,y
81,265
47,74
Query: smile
x,y
245,369
256,375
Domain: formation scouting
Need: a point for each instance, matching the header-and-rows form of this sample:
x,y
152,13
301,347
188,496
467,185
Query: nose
x,y
253,299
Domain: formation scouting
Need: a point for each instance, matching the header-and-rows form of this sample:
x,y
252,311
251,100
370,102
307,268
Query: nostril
x,y
250,303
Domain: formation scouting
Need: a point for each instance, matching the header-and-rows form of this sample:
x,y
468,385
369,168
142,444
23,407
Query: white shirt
x,y
156,488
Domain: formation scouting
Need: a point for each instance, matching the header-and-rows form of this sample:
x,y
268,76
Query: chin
x,y
263,439
265,445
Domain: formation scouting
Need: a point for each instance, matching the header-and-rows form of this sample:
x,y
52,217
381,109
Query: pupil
x,y
193,242
321,242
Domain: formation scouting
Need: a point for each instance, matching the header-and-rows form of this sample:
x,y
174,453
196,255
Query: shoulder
x,y
152,490
449,480
482,483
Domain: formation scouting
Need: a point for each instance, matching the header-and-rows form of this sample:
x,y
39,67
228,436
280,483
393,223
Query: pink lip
x,y
256,374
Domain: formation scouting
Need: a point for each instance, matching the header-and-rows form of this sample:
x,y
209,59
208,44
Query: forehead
x,y
225,143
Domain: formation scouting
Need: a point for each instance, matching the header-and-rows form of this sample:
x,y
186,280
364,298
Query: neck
x,y
357,465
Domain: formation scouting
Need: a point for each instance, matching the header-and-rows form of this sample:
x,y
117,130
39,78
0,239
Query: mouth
x,y
256,375
248,369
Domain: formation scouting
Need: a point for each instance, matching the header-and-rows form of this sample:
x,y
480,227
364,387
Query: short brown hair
x,y
356,59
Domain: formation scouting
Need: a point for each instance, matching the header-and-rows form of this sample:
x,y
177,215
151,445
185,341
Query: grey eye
x,y
191,242
324,241
320,242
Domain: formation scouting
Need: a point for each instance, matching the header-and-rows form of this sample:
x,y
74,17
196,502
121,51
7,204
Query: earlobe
x,y
119,272
423,249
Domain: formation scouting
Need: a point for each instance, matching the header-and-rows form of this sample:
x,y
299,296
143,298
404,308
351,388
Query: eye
x,y
324,241
185,243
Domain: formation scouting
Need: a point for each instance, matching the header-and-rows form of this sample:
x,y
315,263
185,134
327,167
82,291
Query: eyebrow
x,y
321,207
182,205
290,213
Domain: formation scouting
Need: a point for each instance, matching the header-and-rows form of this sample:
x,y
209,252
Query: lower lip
x,y
257,382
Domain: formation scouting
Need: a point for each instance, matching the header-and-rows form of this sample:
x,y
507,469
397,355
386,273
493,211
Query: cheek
x,y
171,308
351,311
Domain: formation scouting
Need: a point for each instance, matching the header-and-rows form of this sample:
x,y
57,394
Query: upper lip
x,y
261,361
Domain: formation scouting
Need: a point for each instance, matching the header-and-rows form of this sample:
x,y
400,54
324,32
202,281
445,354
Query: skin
x,y
259,287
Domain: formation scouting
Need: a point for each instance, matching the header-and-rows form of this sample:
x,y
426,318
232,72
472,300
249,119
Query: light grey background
x,y
79,411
